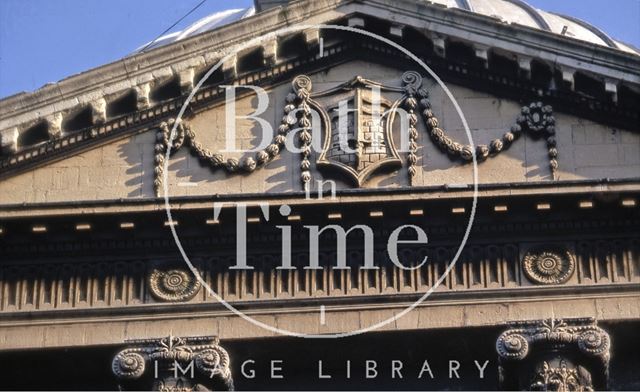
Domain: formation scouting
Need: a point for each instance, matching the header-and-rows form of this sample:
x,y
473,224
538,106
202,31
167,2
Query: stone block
x,y
369,318
486,314
625,308
596,155
440,316
578,134
594,134
43,179
236,327
575,308
530,311
627,137
9,140
631,154
21,337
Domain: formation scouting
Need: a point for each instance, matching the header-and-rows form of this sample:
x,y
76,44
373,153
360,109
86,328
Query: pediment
x,y
107,140
513,145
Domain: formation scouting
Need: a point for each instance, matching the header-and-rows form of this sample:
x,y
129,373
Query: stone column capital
x,y
535,354
173,363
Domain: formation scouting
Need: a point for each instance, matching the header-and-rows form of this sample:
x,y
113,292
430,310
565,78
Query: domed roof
x,y
508,11
207,23
519,12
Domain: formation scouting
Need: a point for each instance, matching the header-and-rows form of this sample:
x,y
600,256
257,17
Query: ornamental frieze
x,y
126,283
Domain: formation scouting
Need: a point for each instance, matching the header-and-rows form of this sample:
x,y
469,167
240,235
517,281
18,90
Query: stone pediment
x,y
107,144
514,144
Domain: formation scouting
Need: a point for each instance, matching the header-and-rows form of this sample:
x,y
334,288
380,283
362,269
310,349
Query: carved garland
x,y
412,85
184,133
302,88
296,102
537,119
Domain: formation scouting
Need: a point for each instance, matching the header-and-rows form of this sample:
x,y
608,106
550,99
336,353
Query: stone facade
x,y
545,290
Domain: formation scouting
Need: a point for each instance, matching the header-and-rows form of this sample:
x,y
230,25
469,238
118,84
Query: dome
x,y
207,23
508,11
519,12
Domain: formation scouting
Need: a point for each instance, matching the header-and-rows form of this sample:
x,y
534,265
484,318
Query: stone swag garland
x,y
535,119
296,102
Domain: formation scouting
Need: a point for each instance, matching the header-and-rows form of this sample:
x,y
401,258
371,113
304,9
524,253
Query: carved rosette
x,y
151,365
548,265
173,285
569,355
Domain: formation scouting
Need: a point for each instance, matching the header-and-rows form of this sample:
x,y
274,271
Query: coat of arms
x,y
357,126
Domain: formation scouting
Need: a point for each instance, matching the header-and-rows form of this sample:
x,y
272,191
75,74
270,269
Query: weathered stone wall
x,y
125,169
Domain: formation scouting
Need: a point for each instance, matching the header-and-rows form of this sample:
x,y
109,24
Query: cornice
x,y
534,189
207,47
514,88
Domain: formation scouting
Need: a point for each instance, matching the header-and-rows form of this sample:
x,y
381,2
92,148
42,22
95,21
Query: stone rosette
x,y
173,285
548,265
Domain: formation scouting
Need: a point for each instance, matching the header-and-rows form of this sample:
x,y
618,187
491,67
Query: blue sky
x,y
47,40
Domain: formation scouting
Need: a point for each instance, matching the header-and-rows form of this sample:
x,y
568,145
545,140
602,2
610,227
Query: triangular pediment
x,y
132,165
492,84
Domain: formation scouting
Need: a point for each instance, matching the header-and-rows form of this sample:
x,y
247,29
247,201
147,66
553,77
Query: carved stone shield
x,y
358,140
